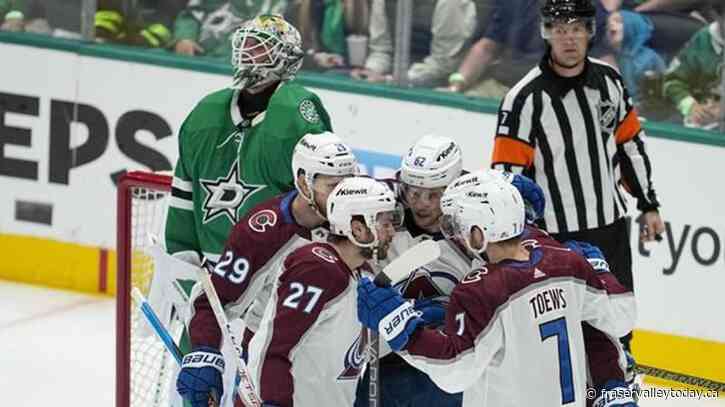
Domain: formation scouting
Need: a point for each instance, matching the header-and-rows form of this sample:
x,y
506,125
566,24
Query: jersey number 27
x,y
295,298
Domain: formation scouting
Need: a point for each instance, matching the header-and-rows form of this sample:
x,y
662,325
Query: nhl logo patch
x,y
309,111
607,116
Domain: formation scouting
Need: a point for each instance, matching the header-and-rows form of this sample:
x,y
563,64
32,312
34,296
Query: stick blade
x,y
417,256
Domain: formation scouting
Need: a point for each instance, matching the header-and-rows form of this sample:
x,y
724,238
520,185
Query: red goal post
x,y
142,365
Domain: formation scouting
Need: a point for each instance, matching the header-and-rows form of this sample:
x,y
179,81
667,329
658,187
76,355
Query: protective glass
x,y
562,29
418,194
450,227
392,219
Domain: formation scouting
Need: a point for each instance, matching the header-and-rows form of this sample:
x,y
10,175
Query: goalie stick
x,y
245,387
161,332
398,269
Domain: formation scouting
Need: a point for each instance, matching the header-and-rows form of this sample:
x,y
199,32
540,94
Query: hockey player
x,y
512,324
308,350
431,164
259,243
235,147
608,365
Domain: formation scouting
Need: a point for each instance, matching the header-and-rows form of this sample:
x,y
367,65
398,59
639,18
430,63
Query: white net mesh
x,y
151,367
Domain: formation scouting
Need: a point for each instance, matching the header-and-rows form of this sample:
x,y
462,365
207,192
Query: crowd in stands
x,y
669,52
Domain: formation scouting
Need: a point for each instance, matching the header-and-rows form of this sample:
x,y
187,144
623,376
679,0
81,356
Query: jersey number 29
x,y
238,271
558,329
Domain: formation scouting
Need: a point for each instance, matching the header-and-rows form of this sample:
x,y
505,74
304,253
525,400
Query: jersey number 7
x,y
558,329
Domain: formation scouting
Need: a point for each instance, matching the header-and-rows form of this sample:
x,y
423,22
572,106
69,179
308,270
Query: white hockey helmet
x,y
432,162
324,153
359,196
265,49
484,200
467,181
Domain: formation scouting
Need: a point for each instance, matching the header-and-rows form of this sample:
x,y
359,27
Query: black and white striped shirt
x,y
579,138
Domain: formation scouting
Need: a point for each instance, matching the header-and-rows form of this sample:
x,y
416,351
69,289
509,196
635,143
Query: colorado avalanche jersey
x,y
605,355
433,280
308,350
437,278
518,325
245,271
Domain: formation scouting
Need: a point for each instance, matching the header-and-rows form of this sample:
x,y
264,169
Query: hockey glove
x,y
615,393
594,256
382,309
533,197
201,376
432,312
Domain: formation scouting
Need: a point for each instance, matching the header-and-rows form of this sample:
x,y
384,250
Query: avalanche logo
x,y
354,359
324,254
474,275
262,219
225,195
421,284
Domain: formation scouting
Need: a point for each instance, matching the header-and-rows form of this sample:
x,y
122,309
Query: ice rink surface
x,y
58,349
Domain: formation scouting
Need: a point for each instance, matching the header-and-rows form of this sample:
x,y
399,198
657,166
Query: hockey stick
x,y
157,326
159,329
679,377
245,387
418,255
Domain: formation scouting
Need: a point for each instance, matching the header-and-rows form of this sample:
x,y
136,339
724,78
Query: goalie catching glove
x,y
201,376
382,309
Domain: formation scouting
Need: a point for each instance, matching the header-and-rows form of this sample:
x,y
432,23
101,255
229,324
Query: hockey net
x,y
144,369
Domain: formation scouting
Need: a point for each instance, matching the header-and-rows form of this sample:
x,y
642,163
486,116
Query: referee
x,y
570,125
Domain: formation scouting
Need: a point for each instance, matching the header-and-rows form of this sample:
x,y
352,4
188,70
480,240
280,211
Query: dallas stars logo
x,y
225,195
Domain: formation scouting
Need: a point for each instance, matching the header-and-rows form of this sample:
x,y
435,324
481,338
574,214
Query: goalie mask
x,y
364,197
321,154
265,49
493,205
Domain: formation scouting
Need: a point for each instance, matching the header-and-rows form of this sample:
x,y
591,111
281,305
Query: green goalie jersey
x,y
228,165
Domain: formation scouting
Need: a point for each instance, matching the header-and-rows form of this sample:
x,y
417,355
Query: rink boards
x,y
57,223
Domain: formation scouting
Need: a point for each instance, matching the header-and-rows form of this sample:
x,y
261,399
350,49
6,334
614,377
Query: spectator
x,y
692,81
628,32
441,31
148,25
324,25
24,15
204,27
703,9
674,21
509,47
